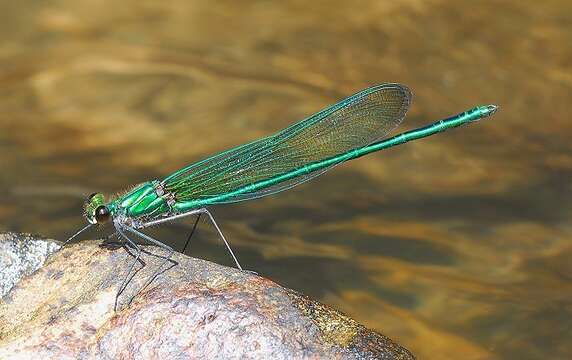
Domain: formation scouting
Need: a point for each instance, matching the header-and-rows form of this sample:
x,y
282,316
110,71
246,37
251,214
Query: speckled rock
x,y
195,310
21,255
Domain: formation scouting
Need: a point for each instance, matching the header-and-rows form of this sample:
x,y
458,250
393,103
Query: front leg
x,y
137,258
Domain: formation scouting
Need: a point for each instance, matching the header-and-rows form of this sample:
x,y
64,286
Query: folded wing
x,y
357,121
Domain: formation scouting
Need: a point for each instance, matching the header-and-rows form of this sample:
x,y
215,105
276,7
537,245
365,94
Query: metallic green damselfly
x,y
344,131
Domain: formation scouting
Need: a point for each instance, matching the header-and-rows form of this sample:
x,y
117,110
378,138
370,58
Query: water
x,y
457,244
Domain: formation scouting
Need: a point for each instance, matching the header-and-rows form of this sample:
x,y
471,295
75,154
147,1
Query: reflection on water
x,y
457,244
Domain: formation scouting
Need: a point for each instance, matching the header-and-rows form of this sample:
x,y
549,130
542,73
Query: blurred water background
x,y
457,246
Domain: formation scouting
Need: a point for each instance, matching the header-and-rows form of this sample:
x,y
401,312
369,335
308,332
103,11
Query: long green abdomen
x,y
439,126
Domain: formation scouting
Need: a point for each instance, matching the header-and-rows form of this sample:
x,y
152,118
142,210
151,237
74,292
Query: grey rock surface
x,y
194,310
21,255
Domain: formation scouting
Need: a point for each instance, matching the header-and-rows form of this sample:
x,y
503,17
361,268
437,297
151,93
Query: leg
x,y
128,276
222,237
110,244
191,234
165,258
76,234
194,212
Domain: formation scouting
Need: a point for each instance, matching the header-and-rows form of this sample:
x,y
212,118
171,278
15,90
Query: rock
x,y
21,255
195,309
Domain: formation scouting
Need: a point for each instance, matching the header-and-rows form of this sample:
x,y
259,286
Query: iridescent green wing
x,y
354,122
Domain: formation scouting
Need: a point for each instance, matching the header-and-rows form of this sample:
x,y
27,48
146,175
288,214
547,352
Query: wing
x,y
354,122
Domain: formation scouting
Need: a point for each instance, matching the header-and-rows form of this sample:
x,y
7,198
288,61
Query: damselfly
x,y
344,131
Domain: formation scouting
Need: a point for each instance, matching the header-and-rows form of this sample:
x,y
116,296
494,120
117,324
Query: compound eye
x,y
102,214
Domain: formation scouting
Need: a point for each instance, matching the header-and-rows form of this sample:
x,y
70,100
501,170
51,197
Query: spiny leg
x,y
191,234
110,244
206,211
76,234
128,276
193,212
166,258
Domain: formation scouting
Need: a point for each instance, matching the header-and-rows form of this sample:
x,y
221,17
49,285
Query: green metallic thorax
x,y
141,201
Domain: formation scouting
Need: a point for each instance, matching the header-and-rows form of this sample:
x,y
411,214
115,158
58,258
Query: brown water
x,y
457,246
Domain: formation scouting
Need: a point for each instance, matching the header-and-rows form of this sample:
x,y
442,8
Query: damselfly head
x,y
96,211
